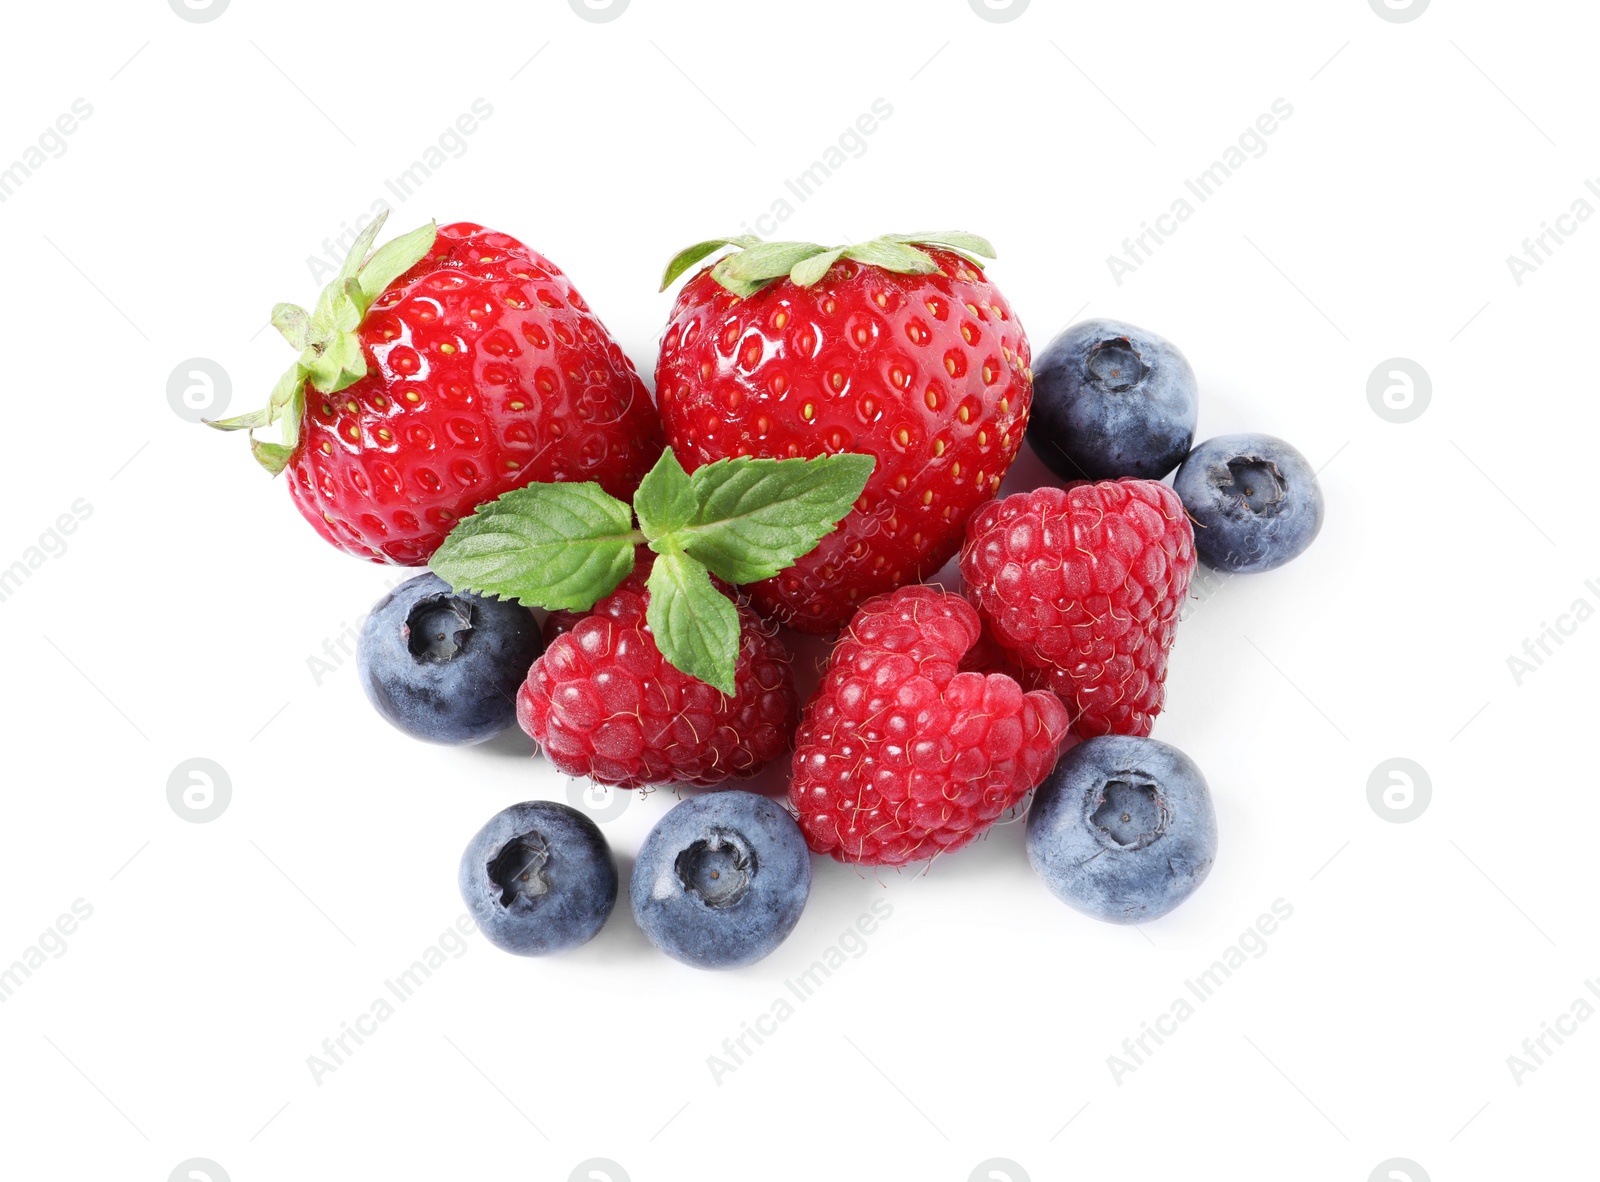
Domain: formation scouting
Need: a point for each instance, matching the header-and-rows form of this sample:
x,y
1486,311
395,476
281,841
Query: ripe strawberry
x,y
603,702
477,369
1081,586
910,356
900,756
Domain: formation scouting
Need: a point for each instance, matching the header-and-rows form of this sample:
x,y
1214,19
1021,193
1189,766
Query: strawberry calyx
x,y
757,263
327,337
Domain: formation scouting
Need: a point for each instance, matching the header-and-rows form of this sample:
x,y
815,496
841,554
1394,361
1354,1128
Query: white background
x,y
180,620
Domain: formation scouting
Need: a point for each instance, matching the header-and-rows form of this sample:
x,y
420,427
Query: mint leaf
x,y
556,546
696,627
755,517
665,500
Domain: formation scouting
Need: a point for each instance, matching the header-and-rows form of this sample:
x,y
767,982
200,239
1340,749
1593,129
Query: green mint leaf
x,y
809,271
556,546
691,255
665,500
696,627
753,517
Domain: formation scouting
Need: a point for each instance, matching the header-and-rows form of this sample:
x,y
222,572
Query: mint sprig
x,y
567,546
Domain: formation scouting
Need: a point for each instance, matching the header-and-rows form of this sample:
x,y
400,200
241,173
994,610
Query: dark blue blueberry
x,y
444,665
538,878
1112,400
721,880
1123,828
1254,501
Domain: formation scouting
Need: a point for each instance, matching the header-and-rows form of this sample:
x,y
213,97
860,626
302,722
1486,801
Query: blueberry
x,y
1112,400
1123,828
1254,501
538,878
721,880
444,665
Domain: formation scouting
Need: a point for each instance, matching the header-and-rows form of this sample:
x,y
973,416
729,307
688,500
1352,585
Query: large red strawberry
x,y
909,355
1081,587
449,368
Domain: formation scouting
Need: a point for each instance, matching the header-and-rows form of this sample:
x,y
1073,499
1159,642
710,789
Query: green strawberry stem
x,y
327,337
566,546
756,263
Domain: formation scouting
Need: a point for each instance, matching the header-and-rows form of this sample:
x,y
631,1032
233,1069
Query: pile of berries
x,y
454,377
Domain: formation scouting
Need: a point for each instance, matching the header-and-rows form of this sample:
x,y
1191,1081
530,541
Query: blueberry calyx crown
x,y
1129,811
1257,482
718,868
437,628
1116,365
756,263
518,869
330,349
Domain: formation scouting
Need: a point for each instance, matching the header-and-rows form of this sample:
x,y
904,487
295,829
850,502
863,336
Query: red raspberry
x,y
603,702
1082,586
902,757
